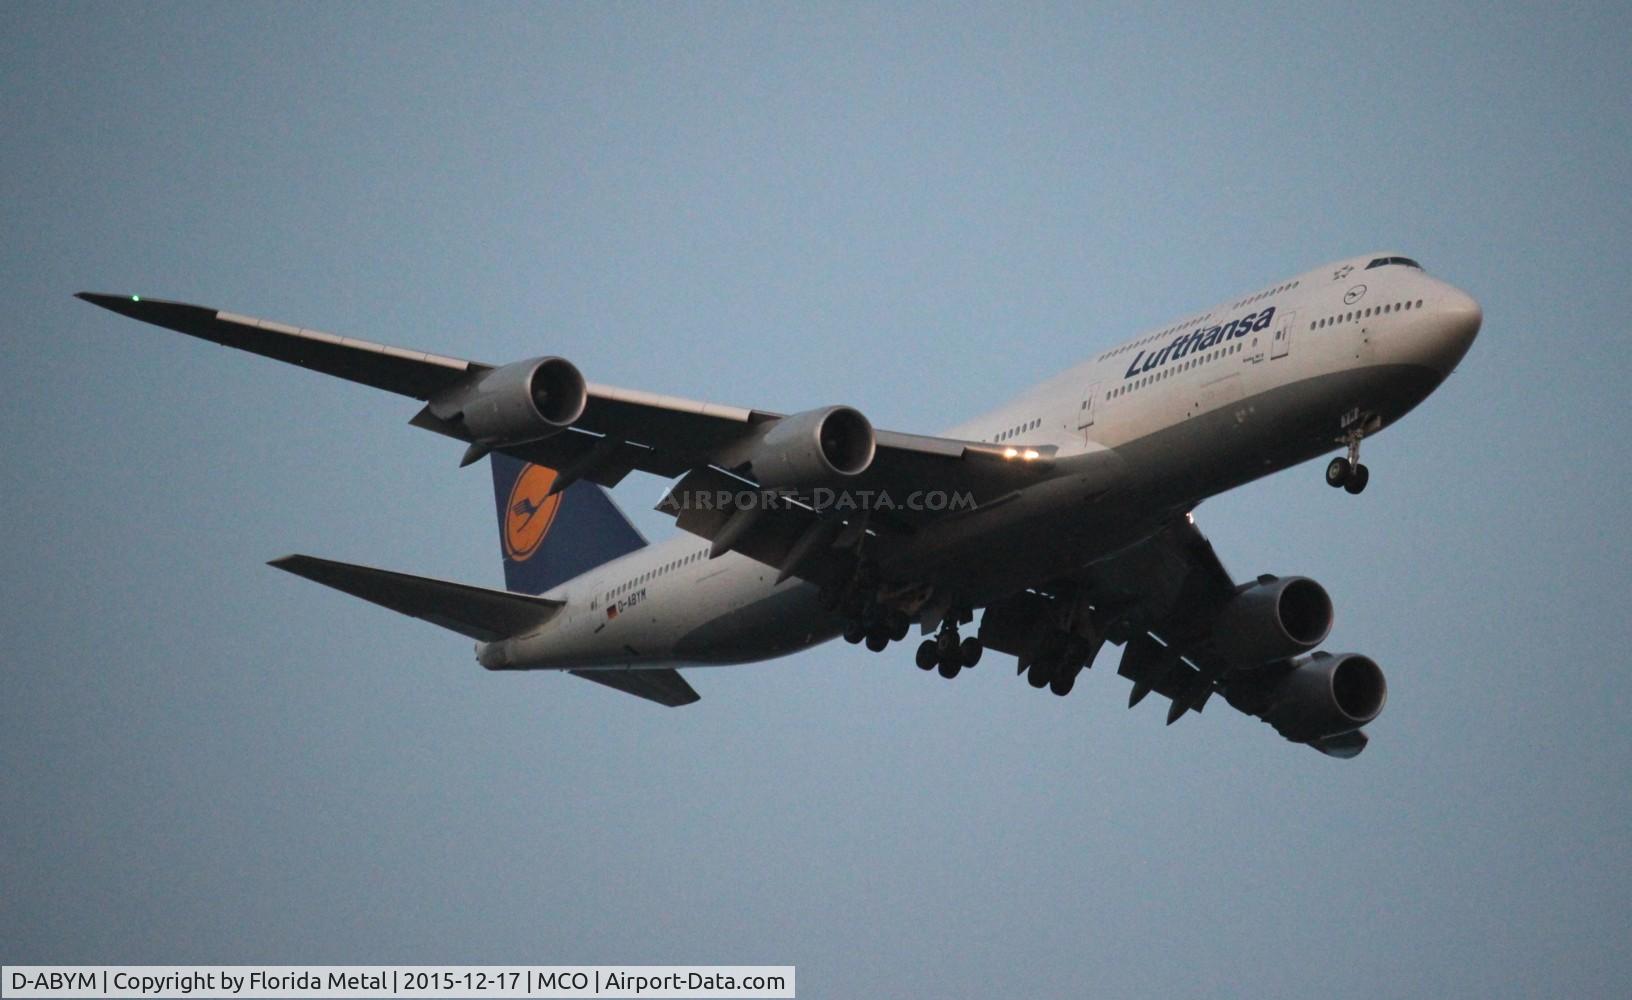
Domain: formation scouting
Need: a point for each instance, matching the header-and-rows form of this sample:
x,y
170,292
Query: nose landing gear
x,y
1348,472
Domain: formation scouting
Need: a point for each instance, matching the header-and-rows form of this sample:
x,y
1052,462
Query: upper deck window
x,y
1385,261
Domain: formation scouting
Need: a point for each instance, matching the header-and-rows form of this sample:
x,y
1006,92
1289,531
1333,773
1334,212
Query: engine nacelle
x,y
814,447
1325,695
524,401
1273,620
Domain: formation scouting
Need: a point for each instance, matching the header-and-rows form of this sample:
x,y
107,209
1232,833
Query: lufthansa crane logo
x,y
529,512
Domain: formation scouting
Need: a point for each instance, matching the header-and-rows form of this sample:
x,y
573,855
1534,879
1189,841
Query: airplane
x,y
1063,517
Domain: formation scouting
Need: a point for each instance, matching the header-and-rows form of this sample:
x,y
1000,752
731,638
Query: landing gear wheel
x,y
1358,479
1037,676
1338,472
928,655
877,639
1063,682
899,626
950,668
1052,649
969,651
855,632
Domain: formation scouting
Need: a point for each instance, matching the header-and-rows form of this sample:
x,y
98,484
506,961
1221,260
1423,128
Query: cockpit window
x,y
1385,261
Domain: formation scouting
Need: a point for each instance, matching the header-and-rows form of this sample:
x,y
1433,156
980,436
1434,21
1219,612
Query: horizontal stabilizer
x,y
664,686
488,615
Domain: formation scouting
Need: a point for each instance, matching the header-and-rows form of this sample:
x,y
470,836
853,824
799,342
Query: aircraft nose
x,y
1456,323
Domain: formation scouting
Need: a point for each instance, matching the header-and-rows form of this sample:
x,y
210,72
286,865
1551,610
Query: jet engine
x,y
524,401
1272,620
1324,695
814,447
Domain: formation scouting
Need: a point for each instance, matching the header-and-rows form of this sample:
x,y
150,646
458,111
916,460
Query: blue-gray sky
x,y
916,210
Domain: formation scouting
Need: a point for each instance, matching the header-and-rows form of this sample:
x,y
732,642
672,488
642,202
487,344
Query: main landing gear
x,y
877,631
1348,472
879,619
866,618
1058,661
948,652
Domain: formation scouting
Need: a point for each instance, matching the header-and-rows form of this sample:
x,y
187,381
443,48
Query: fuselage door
x,y
1282,341
1085,412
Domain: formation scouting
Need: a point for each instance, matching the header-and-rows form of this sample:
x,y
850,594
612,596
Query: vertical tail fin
x,y
547,540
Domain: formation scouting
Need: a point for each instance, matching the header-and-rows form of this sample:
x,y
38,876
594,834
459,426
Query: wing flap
x,y
783,534
683,432
488,615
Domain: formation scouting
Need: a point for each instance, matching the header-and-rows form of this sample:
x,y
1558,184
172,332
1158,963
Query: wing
x,y
620,430
411,373
1165,593
1166,599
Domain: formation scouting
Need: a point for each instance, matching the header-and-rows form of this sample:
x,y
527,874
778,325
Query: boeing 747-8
x,y
1062,519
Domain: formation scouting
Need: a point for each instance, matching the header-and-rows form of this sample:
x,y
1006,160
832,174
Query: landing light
x,y
135,298
1010,452
1030,454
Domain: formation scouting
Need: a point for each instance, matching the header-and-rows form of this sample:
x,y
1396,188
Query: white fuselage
x,y
1190,414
